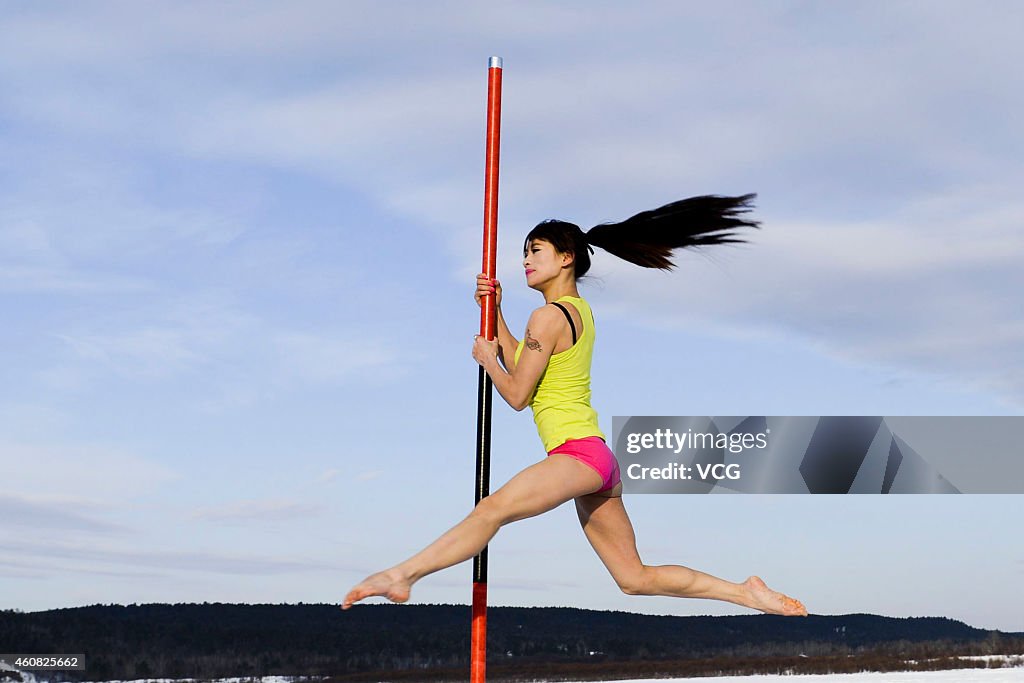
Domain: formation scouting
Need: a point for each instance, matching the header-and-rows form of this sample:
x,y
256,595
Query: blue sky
x,y
237,248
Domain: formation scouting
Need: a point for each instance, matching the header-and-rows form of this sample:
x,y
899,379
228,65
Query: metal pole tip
x,y
494,63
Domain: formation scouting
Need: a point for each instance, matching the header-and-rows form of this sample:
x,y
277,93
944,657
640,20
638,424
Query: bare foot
x,y
390,583
772,602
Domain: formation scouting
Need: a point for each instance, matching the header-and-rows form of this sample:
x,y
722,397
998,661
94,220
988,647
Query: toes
x,y
795,608
354,595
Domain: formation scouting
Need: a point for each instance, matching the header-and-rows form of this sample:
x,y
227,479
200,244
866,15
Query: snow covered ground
x,y
957,676
1012,673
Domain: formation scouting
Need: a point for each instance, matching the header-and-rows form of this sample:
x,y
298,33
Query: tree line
x,y
431,642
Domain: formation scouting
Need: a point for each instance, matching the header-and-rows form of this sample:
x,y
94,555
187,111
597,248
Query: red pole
x,y
487,312
488,330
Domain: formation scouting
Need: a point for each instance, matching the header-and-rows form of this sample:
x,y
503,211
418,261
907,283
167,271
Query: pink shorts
x,y
593,451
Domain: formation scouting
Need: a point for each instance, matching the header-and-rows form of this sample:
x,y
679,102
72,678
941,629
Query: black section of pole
x,y
483,460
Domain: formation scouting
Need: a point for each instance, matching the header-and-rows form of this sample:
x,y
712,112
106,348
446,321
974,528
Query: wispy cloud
x,y
83,474
314,357
21,279
533,584
41,570
259,511
26,514
146,352
328,475
183,561
206,339
109,220
164,338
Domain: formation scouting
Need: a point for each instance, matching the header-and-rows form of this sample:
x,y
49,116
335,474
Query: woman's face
x,y
542,262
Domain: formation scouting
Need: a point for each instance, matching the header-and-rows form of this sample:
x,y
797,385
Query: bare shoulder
x,y
542,329
545,316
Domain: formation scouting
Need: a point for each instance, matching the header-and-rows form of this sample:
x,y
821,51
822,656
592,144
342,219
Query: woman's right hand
x,y
485,286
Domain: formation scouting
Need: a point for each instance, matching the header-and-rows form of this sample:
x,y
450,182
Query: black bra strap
x,y
569,318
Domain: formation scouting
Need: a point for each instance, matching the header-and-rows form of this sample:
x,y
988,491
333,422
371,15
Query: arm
x,y
507,343
517,386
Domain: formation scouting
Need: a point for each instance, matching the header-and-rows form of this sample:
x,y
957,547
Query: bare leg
x,y
610,532
537,489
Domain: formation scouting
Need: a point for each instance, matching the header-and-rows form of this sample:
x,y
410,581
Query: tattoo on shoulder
x,y
531,343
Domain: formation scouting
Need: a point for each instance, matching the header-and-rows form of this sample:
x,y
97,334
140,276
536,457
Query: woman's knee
x,y
634,582
492,509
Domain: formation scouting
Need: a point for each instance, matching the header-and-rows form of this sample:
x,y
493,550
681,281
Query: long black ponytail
x,y
649,238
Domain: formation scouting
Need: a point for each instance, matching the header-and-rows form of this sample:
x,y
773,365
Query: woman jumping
x,y
549,370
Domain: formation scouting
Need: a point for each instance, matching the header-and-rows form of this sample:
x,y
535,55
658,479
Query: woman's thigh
x,y
541,487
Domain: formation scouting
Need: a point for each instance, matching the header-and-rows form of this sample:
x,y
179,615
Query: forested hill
x,y
213,639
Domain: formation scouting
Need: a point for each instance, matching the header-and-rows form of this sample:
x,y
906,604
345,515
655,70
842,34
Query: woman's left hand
x,y
484,352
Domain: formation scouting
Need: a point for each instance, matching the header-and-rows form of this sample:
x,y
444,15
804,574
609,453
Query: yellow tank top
x,y
561,401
